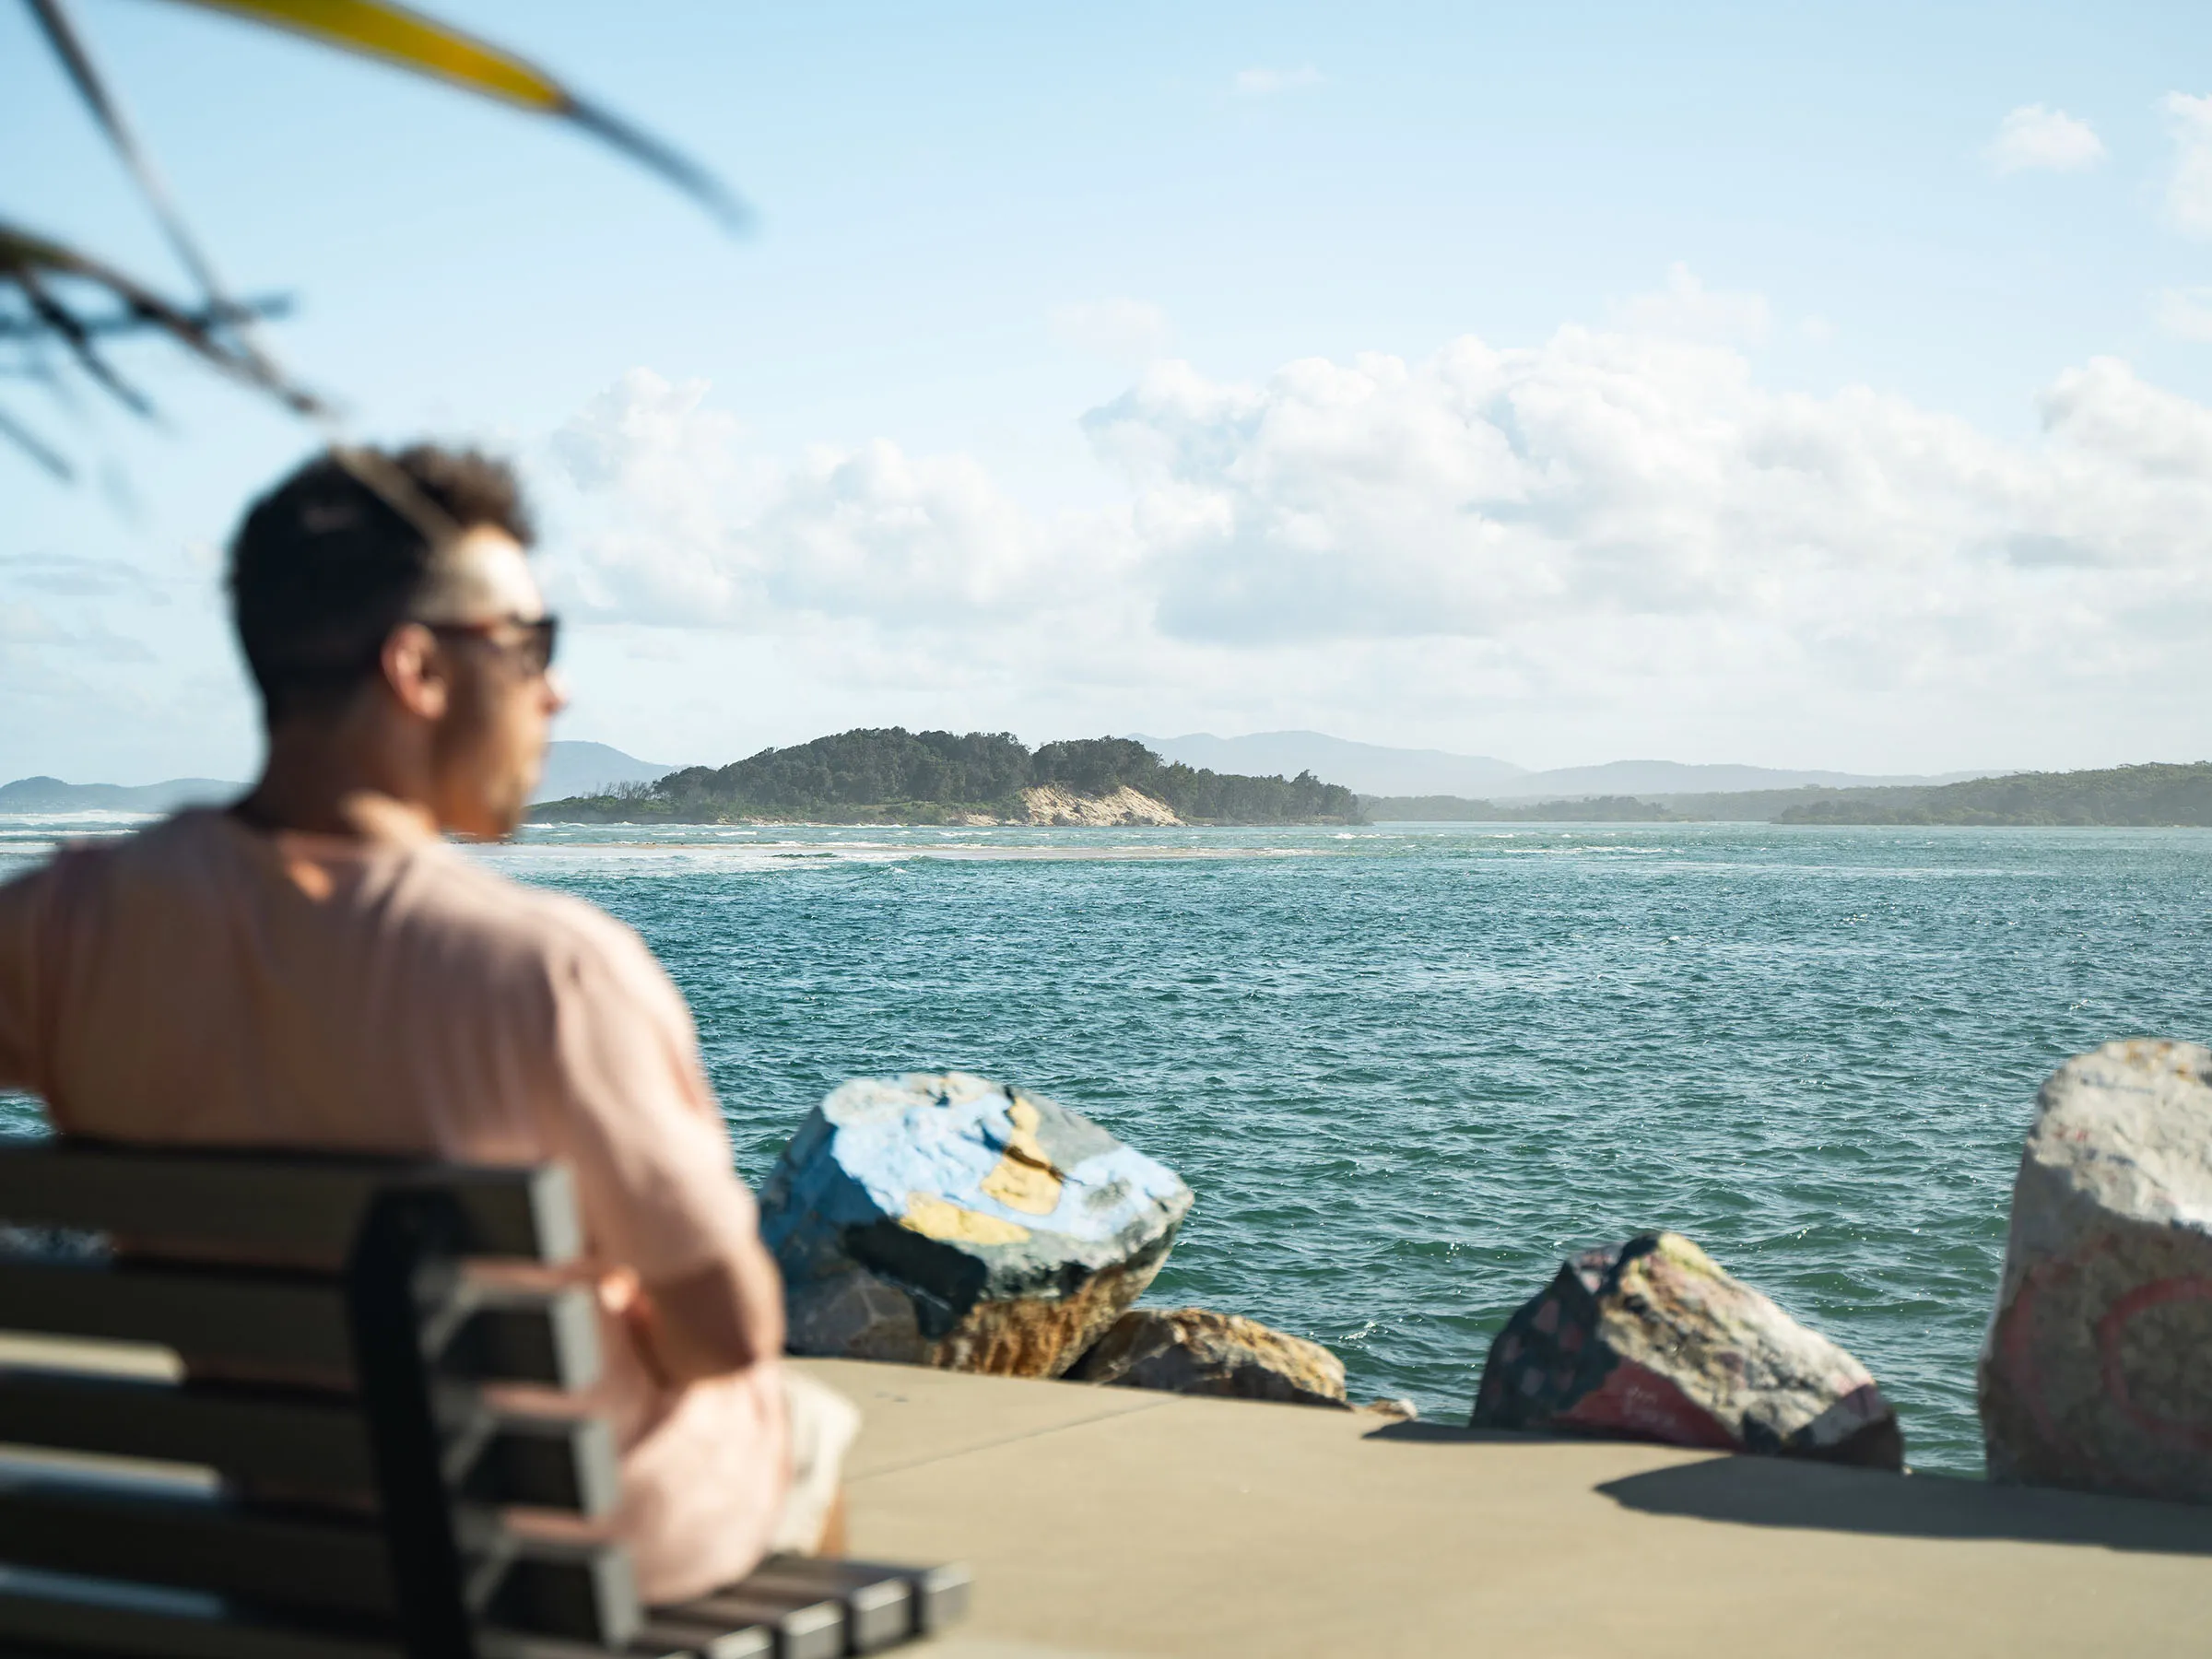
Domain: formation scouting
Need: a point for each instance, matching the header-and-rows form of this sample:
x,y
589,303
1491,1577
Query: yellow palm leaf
x,y
407,38
410,40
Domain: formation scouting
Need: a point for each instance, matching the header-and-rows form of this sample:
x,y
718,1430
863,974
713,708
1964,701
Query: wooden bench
x,y
329,1481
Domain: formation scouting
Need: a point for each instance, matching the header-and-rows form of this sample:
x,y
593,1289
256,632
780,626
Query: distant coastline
x,y
889,775
2146,796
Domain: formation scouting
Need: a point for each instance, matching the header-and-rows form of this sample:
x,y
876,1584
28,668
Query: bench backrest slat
x,y
298,1440
86,1621
293,1439
328,1564
323,1564
291,1324
260,1320
296,1205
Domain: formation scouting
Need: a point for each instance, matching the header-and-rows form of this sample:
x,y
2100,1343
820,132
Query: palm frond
x,y
32,265
107,110
410,40
31,444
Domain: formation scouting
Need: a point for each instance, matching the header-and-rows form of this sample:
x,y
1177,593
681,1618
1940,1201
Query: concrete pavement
x,y
1114,1521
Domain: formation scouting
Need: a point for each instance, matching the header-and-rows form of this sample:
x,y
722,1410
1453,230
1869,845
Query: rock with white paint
x,y
948,1220
1191,1350
1653,1340
2097,1372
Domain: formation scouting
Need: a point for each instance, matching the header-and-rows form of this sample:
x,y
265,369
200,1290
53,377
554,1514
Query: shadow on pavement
x,y
1761,1491
1773,1491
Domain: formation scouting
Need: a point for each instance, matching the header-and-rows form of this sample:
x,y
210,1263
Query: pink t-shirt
x,y
203,984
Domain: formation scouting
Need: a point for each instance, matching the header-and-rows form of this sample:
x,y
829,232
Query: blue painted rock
x,y
952,1222
1651,1340
1190,1350
2097,1372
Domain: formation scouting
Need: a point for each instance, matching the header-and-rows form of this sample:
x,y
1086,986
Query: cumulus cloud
x,y
671,519
1612,520
1484,492
2189,187
2035,138
1688,309
1118,327
1267,83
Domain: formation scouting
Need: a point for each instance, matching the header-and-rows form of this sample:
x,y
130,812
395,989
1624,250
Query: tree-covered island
x,y
889,775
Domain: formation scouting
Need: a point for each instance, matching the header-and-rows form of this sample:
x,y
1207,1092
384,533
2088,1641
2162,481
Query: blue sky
x,y
1724,383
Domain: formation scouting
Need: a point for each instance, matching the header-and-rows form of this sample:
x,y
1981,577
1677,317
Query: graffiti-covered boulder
x,y
1653,1340
2098,1368
944,1220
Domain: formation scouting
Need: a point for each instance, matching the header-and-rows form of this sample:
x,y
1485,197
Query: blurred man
x,y
316,966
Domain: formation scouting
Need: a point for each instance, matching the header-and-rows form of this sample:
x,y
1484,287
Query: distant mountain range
x,y
1366,767
51,794
1374,769
590,769
572,769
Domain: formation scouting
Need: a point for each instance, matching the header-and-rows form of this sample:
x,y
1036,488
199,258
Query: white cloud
x,y
1611,532
1266,82
2035,138
668,518
1686,309
2186,313
1605,477
2189,188
1119,327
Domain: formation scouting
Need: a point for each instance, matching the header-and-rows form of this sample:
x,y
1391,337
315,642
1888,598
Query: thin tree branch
x,y
261,307
25,259
223,315
63,322
26,441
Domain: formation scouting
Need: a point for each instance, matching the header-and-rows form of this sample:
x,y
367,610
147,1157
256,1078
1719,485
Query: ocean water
x,y
1407,1068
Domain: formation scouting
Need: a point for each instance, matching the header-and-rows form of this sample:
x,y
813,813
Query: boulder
x,y
1393,1411
1188,1350
952,1222
2096,1371
1653,1340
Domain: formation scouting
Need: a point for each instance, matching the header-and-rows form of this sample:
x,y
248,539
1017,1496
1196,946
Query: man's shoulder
x,y
444,889
500,943
432,897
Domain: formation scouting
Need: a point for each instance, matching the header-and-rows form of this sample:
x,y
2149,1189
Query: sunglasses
x,y
534,649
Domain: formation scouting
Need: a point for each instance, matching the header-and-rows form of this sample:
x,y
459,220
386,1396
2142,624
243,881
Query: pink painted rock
x,y
1651,1340
2098,1370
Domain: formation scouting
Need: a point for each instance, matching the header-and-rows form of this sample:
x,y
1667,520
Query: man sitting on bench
x,y
317,967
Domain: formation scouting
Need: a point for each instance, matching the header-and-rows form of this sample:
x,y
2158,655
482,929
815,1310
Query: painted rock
x,y
1653,1340
952,1222
1188,1350
2098,1368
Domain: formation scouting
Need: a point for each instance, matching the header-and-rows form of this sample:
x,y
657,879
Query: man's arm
x,y
726,1316
699,1292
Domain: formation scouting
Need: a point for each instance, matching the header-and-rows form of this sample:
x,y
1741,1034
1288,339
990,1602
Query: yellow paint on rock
x,y
934,1217
1024,1178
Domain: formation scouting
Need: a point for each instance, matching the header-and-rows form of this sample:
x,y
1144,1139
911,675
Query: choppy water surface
x,y
1407,1068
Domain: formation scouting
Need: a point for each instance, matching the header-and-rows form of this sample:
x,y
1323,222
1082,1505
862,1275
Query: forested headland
x,y
891,775
2148,794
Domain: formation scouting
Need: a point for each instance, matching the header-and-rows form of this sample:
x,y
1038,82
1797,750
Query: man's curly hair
x,y
324,566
